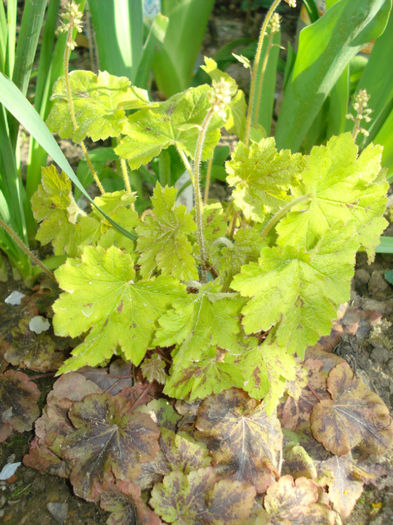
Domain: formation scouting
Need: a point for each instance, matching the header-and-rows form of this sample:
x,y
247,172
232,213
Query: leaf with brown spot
x,y
290,502
250,441
195,498
344,490
183,452
299,463
109,441
126,506
353,416
295,412
18,403
54,425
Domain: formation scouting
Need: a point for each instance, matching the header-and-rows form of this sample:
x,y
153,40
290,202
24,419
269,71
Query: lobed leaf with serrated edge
x,y
341,187
296,291
55,209
261,177
176,121
102,297
163,238
99,104
202,320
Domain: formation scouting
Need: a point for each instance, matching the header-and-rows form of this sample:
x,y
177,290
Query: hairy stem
x,y
280,214
208,178
124,173
71,105
262,75
261,38
186,163
27,251
197,190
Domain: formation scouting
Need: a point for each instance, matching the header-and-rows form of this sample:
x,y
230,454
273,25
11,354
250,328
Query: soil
x,y
30,497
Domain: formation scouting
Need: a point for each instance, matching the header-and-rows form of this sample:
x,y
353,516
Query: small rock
x,y
58,510
381,354
14,298
39,324
377,285
362,276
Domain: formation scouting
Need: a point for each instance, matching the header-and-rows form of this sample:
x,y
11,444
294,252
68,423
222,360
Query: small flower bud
x,y
221,97
71,19
291,3
275,23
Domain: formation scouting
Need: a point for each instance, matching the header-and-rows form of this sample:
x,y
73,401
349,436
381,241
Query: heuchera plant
x,y
231,294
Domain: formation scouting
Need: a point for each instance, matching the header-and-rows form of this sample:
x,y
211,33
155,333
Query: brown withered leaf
x,y
290,502
18,403
54,425
249,441
113,379
126,506
197,497
344,490
110,441
353,416
296,412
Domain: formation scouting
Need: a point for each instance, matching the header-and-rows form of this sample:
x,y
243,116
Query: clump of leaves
x,y
219,305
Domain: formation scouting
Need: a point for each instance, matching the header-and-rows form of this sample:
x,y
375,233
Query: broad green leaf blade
x,y
118,28
303,289
342,187
385,138
385,246
174,122
173,65
99,102
261,177
154,40
102,297
377,79
325,48
24,112
163,238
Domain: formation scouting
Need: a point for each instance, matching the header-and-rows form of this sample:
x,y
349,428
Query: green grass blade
x,y
385,138
377,79
154,39
23,111
338,105
3,37
386,245
266,102
11,36
118,29
173,65
325,49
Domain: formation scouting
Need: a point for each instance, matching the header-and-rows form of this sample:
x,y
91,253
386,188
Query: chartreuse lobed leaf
x,y
201,320
341,187
266,369
183,452
297,291
175,122
96,230
55,209
103,298
68,228
163,241
261,177
197,497
99,103
212,372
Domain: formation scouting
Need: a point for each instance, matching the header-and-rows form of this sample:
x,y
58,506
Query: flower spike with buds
x,y
221,97
71,19
291,3
363,112
275,23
